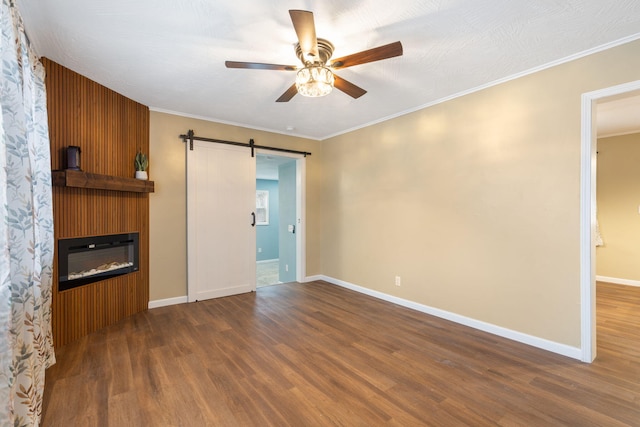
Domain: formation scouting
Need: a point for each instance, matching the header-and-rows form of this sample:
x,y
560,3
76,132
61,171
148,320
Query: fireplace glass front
x,y
90,259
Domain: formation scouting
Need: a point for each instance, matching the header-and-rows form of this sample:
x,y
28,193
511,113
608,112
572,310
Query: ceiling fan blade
x,y
306,31
376,54
290,93
259,66
348,87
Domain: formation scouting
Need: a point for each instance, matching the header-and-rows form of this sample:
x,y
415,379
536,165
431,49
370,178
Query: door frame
x,y
301,233
588,168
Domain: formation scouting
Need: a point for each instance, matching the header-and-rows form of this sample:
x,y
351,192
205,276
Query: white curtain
x,y
26,227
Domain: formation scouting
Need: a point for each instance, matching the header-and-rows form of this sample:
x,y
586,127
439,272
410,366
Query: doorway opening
x,y
588,219
279,217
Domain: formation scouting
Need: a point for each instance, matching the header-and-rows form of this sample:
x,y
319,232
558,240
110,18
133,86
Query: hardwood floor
x,y
316,355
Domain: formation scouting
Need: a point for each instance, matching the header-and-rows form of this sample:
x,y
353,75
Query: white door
x,y
221,197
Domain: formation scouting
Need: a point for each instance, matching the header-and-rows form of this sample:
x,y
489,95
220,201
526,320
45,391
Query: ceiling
x,y
170,54
268,165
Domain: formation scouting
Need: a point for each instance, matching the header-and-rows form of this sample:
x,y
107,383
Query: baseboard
x,y
552,346
169,301
617,281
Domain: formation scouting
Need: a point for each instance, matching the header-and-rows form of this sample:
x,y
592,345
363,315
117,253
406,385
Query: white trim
x,y
301,213
531,340
167,301
587,231
617,281
191,236
588,159
264,261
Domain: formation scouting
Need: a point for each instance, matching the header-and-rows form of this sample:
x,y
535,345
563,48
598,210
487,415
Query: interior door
x,y
221,191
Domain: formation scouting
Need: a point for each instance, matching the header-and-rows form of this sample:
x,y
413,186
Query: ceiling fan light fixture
x,y
314,81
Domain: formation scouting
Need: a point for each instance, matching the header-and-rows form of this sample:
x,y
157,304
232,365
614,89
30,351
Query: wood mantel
x,y
79,179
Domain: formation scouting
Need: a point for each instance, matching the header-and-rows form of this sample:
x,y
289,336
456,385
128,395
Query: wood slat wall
x,y
109,129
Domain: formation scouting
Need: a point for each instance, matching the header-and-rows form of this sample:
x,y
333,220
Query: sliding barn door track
x,y
190,137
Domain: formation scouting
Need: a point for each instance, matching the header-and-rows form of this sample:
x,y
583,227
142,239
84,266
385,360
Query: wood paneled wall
x,y
109,129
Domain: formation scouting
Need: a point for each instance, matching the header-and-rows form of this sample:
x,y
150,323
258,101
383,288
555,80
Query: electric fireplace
x,y
90,259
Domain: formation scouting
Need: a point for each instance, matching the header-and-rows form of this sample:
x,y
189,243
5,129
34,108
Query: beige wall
x,y
167,219
618,194
473,202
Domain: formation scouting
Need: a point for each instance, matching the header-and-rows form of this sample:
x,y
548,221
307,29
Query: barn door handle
x,y
253,222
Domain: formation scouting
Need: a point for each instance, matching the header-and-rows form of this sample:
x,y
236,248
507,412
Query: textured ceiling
x,y
169,54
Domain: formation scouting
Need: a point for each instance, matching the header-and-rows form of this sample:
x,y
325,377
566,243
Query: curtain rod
x,y
190,136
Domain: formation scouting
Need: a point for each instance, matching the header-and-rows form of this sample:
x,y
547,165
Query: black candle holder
x,y
73,157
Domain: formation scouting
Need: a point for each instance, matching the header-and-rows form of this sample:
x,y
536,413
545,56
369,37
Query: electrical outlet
x,y
286,267
259,250
397,280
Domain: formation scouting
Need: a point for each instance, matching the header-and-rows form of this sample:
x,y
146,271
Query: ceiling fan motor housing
x,y
325,50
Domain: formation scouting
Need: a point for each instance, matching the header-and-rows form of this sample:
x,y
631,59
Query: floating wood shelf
x,y
74,178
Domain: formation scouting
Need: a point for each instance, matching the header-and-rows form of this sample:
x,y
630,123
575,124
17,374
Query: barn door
x,y
221,191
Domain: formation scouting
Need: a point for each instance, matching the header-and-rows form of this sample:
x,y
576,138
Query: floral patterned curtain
x,y
26,227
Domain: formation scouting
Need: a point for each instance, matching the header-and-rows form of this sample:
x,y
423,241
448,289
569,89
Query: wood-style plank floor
x,y
319,355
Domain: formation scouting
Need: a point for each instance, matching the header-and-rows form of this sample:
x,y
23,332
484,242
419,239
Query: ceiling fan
x,y
316,78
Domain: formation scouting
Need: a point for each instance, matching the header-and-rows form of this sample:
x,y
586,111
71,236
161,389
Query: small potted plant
x,y
141,163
